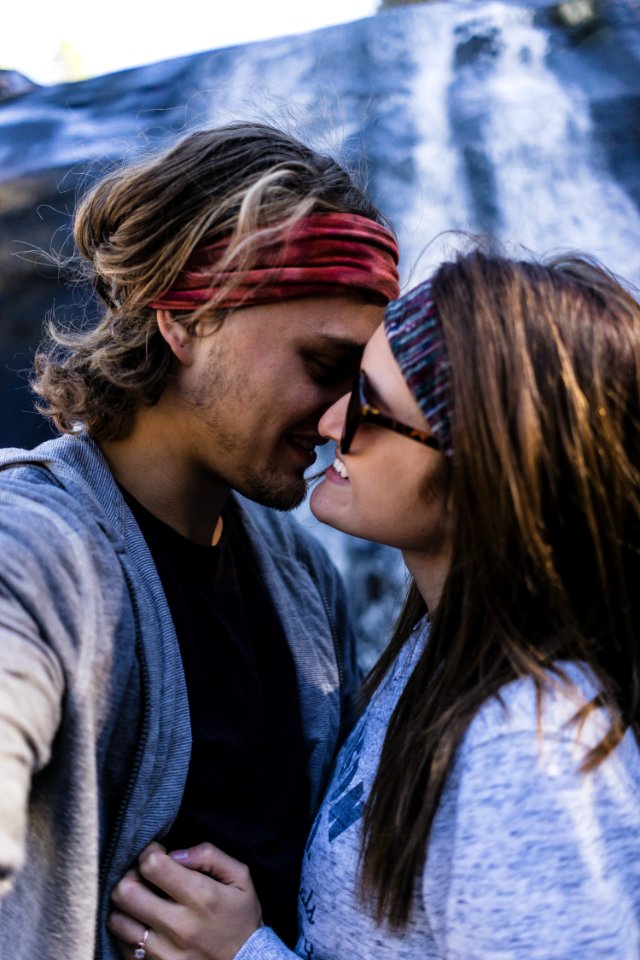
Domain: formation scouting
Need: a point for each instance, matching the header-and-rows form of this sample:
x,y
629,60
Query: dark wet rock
x,y
486,117
500,118
14,84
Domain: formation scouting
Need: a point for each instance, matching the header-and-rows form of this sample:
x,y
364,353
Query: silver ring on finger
x,y
140,948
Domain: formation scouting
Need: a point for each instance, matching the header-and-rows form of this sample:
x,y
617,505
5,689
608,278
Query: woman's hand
x,y
211,910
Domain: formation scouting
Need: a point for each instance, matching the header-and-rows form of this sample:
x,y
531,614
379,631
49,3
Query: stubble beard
x,y
271,490
268,486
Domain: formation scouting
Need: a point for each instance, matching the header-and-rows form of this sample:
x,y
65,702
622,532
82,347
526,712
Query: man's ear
x,y
179,339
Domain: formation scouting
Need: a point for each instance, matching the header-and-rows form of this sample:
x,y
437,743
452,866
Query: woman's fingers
x,y
125,928
133,897
153,846
215,862
187,887
202,917
130,934
192,888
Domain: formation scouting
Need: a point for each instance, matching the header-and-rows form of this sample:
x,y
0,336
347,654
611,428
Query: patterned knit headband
x,y
414,332
322,254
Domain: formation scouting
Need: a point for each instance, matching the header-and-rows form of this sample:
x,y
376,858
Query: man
x,y
175,661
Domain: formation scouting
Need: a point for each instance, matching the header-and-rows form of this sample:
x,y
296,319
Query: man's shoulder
x,y
28,483
63,484
41,465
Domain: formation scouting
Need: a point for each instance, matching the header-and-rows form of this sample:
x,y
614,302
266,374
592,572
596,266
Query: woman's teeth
x,y
340,468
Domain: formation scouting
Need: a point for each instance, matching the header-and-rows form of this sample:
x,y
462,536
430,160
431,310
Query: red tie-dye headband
x,y
322,254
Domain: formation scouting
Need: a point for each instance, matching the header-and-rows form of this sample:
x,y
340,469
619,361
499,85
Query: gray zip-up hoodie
x,y
94,726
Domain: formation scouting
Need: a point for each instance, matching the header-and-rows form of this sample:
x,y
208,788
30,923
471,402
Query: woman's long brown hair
x,y
545,501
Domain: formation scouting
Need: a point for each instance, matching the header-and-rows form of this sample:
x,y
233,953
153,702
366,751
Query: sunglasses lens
x,y
352,417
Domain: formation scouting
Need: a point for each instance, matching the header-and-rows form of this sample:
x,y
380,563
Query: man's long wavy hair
x,y
136,229
544,494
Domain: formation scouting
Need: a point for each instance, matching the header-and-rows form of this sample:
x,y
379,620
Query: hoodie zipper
x,y
137,760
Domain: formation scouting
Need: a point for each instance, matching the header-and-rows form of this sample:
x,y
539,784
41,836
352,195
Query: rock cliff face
x,y
512,118
482,116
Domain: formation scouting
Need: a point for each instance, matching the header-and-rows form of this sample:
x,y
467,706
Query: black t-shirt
x,y
246,790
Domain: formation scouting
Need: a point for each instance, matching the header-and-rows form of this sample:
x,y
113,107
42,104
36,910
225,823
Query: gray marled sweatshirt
x,y
529,859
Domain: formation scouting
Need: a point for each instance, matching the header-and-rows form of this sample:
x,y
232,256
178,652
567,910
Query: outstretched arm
x,y
31,689
210,910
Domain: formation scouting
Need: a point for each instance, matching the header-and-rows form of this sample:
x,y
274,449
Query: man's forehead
x,y
336,325
341,323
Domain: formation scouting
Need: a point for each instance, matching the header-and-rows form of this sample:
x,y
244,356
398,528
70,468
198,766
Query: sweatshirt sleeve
x,y
41,605
264,944
531,858
31,689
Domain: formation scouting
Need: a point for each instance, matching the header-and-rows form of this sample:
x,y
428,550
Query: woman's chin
x,y
321,506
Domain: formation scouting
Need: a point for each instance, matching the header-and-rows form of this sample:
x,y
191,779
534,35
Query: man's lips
x,y
304,446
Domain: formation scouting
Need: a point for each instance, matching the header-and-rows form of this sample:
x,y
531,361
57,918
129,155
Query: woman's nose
x,y
332,420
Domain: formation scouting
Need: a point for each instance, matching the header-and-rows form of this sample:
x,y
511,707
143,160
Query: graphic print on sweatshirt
x,y
343,807
334,842
347,805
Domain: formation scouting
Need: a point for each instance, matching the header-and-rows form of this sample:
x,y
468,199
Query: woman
x,y
486,804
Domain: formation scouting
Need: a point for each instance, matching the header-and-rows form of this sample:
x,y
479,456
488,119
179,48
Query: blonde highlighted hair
x,y
136,229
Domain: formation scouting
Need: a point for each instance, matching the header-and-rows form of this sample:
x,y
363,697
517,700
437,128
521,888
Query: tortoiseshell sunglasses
x,y
360,409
